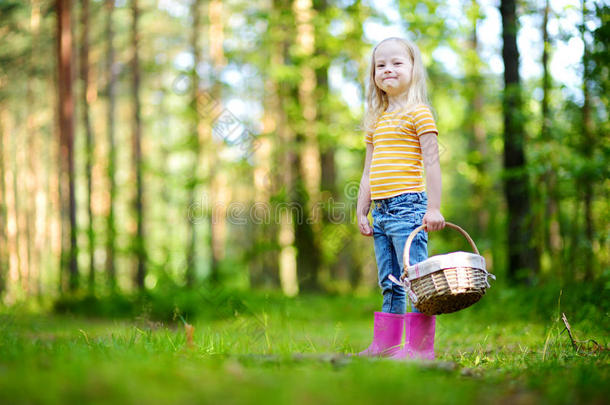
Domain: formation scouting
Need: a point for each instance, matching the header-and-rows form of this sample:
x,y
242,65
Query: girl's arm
x,y
433,219
364,195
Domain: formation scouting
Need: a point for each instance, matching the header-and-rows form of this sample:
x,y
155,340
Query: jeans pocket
x,y
410,213
421,207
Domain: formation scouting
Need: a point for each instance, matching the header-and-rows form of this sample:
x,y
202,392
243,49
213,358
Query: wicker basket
x,y
445,283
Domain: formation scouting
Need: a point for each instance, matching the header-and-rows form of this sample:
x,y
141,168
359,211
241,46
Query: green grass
x,y
257,348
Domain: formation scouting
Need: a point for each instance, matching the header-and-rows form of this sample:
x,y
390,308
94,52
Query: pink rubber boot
x,y
419,337
387,335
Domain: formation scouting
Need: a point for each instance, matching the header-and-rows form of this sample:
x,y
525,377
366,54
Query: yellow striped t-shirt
x,y
397,165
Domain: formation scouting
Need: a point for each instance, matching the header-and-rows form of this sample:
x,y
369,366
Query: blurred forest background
x,y
156,145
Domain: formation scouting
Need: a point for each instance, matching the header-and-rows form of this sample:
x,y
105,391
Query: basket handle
x,y
405,256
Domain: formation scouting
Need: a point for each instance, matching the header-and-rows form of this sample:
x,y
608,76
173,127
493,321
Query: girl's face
x,y
393,68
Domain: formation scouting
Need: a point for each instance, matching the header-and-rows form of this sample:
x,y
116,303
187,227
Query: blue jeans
x,y
394,219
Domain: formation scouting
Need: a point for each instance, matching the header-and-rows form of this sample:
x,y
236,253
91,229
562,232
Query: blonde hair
x,y
377,99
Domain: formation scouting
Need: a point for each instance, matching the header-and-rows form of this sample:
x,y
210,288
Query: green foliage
x,y
161,304
600,54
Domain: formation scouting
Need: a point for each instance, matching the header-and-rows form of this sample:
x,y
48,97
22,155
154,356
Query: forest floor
x,y
508,348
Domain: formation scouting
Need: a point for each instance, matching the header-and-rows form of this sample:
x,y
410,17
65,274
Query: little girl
x,y
400,141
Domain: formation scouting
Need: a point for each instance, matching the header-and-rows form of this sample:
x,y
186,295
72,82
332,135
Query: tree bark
x,y
269,160
308,157
334,244
522,259
588,146
195,144
3,215
36,158
66,140
218,190
358,263
28,158
112,155
84,74
552,230
285,157
263,270
12,236
138,209
478,138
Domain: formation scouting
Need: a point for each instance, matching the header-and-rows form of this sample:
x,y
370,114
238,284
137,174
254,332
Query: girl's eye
x,y
398,63
379,66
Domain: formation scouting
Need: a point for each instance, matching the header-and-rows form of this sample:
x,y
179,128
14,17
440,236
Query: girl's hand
x,y
364,225
433,220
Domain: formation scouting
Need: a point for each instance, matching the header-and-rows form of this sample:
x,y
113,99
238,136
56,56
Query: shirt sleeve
x,y
368,137
423,120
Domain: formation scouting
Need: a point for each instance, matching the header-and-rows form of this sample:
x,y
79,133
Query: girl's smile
x,y
393,68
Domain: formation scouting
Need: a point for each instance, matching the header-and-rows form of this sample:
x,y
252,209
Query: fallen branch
x,y
580,345
565,321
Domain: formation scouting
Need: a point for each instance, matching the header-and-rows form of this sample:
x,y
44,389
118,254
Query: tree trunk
x,y
338,263
4,254
139,243
46,217
16,211
573,257
359,264
218,190
39,207
84,73
66,140
29,184
552,231
192,185
285,157
308,157
263,269
12,236
112,156
165,190
522,259
588,146
478,138
28,158
36,157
